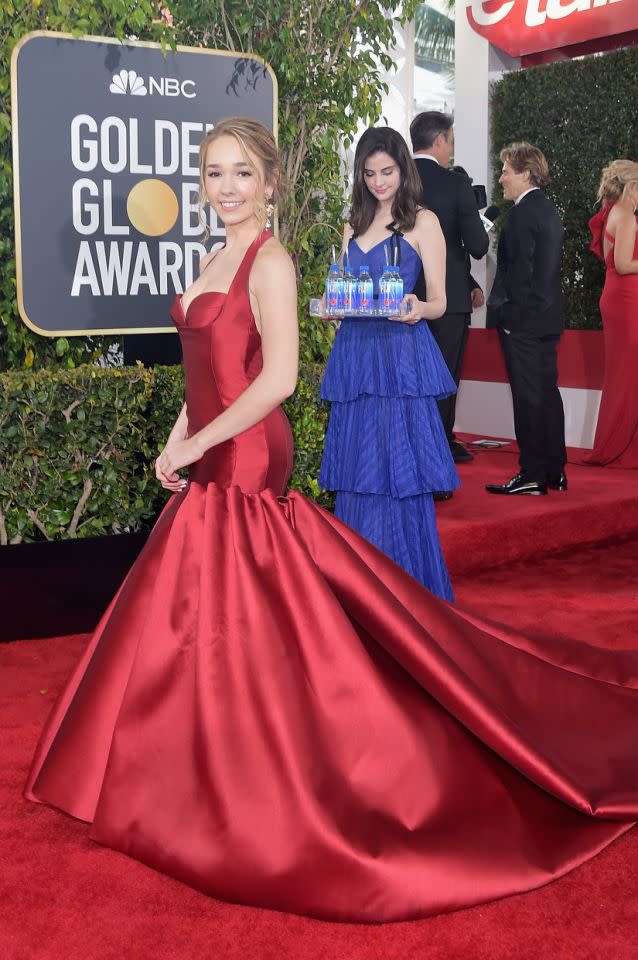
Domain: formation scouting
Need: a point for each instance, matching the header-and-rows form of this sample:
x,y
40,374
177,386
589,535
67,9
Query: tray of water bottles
x,y
349,296
318,308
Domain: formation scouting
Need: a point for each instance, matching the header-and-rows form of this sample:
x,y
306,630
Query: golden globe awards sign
x,y
106,139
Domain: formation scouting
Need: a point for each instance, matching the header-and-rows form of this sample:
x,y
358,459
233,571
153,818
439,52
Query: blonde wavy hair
x,y
524,156
615,178
255,140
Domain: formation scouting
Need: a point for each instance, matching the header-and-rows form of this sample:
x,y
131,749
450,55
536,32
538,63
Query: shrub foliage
x,y
77,448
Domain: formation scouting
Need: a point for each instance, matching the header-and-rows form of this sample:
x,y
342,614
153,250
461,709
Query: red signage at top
x,y
529,26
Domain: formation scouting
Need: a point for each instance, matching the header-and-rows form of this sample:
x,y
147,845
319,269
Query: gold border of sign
x,y
16,165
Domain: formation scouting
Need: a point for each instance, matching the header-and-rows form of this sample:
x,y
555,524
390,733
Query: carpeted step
x,y
479,530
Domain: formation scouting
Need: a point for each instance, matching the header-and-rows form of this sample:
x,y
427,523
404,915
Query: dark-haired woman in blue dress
x,y
385,452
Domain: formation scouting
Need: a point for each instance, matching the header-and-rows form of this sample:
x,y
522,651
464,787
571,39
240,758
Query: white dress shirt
x,y
424,156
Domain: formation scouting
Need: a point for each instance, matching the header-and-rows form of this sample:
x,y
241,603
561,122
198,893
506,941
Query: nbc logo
x,y
127,81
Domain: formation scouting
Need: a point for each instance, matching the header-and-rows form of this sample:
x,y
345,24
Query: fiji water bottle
x,y
396,292
386,290
334,290
365,290
349,291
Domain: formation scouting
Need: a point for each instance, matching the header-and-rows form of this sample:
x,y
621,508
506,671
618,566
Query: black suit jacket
x,y
526,295
450,196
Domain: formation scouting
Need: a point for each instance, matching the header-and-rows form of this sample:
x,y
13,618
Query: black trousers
x,y
539,419
451,332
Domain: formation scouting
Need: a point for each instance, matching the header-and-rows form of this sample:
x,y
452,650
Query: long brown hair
x,y
408,199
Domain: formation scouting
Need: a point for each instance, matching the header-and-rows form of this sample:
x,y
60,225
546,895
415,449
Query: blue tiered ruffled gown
x,y
386,451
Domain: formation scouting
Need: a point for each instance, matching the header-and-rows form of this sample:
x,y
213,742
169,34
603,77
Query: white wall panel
x,y
485,408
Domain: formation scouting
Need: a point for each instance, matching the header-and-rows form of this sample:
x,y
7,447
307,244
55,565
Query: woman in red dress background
x,y
615,241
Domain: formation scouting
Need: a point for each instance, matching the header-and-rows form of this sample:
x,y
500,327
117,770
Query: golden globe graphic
x,y
152,207
120,129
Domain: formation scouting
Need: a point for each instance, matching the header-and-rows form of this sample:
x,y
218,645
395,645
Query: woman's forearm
x,y
180,427
433,309
431,248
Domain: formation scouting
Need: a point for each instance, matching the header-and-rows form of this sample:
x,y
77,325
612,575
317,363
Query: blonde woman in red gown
x,y
615,241
273,711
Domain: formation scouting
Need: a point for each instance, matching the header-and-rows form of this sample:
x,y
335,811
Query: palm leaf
x,y
434,35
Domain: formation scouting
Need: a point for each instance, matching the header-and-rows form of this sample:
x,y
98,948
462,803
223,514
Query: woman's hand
x,y
175,455
411,309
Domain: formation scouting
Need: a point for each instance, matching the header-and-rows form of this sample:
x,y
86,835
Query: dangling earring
x,y
270,209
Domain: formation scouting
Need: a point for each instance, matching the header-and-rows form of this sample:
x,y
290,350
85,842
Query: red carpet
x,y
64,898
480,530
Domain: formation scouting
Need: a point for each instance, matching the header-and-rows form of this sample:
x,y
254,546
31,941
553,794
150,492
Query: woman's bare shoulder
x,y
620,214
272,261
426,220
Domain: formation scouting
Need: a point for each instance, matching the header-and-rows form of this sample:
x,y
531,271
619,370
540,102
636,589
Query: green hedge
x,y
77,447
582,114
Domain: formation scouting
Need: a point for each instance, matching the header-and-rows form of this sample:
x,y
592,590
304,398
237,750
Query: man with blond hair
x,y
526,305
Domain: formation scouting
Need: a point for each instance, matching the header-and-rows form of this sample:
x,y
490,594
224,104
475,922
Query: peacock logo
x,y
127,81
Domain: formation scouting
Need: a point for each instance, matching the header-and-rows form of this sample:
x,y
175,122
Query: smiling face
x,y
514,184
382,176
234,181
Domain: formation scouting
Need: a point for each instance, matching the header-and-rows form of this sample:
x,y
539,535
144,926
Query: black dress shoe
x,y
558,481
442,495
460,454
519,485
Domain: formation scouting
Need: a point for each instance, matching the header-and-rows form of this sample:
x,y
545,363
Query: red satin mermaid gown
x,y
275,713
616,440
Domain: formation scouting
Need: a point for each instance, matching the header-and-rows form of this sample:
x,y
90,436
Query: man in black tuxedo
x,y
450,196
526,304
